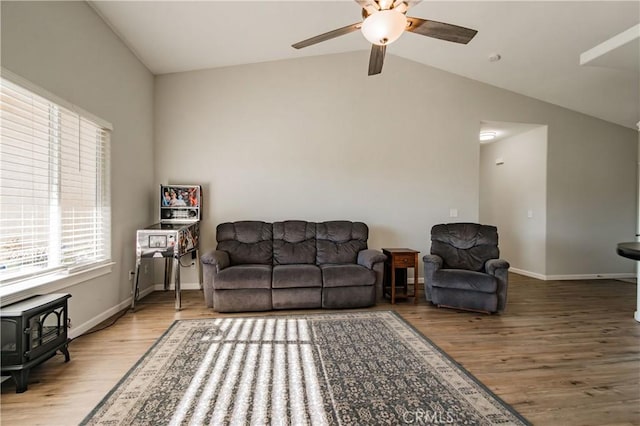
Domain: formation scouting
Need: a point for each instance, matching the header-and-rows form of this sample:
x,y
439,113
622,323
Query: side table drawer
x,y
404,260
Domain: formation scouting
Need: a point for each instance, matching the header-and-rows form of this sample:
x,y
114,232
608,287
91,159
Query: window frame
x,y
12,290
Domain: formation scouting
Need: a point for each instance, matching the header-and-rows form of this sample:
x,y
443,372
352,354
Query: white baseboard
x,y
615,276
568,277
528,274
78,330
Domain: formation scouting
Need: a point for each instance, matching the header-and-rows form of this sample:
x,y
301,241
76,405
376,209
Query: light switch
x,y
529,213
453,212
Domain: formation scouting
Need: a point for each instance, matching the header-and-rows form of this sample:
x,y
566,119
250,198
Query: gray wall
x,y
591,196
317,139
510,191
65,48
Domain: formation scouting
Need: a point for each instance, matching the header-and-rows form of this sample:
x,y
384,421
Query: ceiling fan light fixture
x,y
384,27
487,135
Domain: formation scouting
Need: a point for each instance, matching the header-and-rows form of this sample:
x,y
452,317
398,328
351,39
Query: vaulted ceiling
x,y
539,43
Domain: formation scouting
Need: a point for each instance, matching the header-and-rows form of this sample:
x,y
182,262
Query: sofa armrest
x,y
217,258
374,260
492,265
213,262
369,257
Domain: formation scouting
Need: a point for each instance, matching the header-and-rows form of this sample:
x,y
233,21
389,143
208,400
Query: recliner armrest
x,y
492,265
369,257
218,258
432,264
433,260
499,268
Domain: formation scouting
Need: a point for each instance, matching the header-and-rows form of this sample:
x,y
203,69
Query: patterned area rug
x,y
349,368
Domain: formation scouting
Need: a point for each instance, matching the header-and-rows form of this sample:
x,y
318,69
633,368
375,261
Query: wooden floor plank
x,y
564,353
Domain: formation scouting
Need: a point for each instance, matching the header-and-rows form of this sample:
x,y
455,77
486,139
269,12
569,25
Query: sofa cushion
x,y
348,297
294,242
296,298
247,242
465,280
243,300
339,242
243,276
292,276
347,276
465,245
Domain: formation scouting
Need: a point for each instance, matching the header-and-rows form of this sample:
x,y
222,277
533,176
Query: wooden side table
x,y
397,263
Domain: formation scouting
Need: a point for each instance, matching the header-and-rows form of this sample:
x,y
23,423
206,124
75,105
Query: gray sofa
x,y
463,270
259,266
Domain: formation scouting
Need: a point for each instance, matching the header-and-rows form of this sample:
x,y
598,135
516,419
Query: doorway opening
x,y
513,192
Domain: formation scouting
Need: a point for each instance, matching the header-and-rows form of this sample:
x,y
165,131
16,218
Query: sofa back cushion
x,y
465,245
294,242
339,242
247,242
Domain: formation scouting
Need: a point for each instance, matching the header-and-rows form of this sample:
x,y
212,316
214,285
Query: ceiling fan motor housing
x,y
384,27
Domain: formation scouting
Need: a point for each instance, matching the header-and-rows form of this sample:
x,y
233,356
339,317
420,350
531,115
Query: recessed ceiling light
x,y
487,136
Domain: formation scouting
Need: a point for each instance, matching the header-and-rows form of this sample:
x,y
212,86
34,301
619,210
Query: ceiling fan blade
x,y
328,36
376,59
440,30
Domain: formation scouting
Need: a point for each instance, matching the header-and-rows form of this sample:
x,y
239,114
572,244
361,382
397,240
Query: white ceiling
x,y
540,42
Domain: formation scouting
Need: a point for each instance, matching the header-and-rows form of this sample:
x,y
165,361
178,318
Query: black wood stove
x,y
32,331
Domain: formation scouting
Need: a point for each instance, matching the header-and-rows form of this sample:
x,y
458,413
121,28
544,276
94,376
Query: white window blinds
x,y
54,186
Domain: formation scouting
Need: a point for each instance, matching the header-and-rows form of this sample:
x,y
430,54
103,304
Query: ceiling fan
x,y
384,21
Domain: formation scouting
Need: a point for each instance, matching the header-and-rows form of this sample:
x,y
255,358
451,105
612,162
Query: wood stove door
x,y
46,330
10,335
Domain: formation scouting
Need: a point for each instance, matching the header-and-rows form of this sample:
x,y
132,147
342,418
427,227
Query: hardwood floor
x,y
564,353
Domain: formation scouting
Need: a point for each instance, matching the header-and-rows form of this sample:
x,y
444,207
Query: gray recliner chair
x,y
463,270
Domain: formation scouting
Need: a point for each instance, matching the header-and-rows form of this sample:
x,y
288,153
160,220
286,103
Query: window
x,y
55,212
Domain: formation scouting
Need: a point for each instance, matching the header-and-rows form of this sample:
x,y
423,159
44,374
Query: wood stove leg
x,y
21,377
65,351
